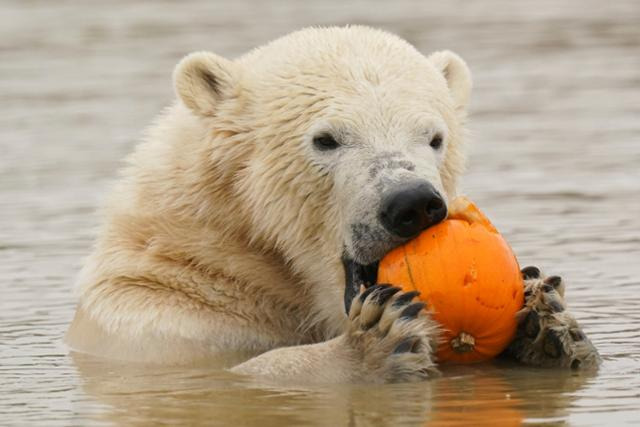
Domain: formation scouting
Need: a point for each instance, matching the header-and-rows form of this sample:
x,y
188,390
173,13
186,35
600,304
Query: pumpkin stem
x,y
463,343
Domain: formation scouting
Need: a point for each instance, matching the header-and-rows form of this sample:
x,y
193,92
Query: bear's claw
x,y
530,272
547,335
391,337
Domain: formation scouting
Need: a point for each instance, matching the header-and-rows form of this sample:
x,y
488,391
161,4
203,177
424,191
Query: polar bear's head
x,y
339,142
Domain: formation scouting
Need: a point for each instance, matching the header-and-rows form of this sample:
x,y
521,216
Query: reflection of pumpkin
x,y
475,399
469,278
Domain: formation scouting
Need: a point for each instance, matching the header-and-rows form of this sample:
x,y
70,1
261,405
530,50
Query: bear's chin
x,y
355,275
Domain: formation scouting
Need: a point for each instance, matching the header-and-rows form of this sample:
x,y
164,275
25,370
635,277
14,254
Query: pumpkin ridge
x,y
508,289
498,323
408,264
461,326
443,268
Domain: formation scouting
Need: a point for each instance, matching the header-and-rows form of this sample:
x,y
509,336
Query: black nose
x,y
407,211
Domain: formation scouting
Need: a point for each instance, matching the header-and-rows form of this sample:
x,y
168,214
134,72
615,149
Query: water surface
x,y
555,163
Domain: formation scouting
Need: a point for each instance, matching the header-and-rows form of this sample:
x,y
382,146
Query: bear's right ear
x,y
202,80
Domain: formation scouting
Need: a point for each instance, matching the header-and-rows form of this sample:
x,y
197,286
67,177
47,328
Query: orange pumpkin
x,y
469,278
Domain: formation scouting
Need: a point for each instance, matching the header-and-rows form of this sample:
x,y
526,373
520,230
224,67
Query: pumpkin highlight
x,y
468,276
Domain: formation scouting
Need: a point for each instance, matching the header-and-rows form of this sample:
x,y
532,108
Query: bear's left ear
x,y
457,75
203,79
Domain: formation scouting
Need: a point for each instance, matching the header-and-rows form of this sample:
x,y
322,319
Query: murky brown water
x,y
556,164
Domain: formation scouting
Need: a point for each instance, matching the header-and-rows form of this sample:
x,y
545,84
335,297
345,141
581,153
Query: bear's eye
x,y
436,142
325,142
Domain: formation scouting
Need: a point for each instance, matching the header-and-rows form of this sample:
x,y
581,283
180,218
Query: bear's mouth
x,y
355,275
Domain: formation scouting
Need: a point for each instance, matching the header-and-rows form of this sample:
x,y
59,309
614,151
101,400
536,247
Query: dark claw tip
x,y
531,325
577,334
555,306
547,288
553,281
384,295
369,291
530,272
552,345
405,298
411,311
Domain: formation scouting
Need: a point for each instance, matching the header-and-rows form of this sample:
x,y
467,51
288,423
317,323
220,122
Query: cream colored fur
x,y
223,237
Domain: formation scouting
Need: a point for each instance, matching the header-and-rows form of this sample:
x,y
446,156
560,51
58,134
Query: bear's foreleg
x,y
389,339
547,334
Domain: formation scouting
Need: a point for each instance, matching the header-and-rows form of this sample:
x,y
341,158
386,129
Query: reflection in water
x,y
200,395
483,399
505,394
464,395
554,164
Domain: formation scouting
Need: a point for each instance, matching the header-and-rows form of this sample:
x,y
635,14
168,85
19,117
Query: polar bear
x,y
248,224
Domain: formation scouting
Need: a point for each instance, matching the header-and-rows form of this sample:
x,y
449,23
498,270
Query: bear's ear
x,y
457,75
202,80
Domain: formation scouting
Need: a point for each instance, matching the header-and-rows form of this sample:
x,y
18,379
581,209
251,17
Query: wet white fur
x,y
225,230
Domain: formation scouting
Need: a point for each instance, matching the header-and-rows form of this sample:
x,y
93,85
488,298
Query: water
x,y
555,155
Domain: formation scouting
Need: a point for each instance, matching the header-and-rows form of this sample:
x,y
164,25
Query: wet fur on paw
x,y
547,334
392,338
